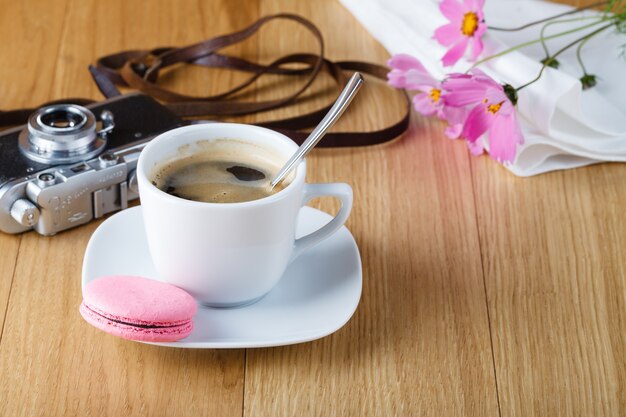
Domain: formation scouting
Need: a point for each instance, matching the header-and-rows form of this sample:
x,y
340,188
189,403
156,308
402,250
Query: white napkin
x,y
564,127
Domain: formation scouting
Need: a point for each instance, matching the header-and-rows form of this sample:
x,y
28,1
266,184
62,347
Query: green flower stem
x,y
547,19
547,38
579,58
542,36
566,47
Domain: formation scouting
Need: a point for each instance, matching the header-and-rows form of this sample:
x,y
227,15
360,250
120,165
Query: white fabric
x,y
564,127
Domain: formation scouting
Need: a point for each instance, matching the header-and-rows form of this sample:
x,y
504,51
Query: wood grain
x,y
34,87
484,294
52,363
27,77
8,250
556,288
419,342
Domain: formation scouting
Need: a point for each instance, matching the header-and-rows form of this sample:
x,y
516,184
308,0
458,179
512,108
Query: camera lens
x,y
63,119
61,133
62,127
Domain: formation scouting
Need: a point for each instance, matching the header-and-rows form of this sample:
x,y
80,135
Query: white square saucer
x,y
317,295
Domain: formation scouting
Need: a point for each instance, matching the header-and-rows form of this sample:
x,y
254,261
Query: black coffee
x,y
213,175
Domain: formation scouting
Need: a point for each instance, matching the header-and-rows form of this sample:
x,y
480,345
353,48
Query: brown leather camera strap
x,y
140,69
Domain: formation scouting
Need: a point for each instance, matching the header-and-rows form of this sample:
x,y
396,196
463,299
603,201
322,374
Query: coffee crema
x,y
220,171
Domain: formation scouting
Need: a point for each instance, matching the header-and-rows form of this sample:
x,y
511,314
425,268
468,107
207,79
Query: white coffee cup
x,y
228,254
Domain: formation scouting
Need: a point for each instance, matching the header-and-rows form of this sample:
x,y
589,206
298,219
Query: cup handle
x,y
338,190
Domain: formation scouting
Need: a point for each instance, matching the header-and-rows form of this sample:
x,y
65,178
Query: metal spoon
x,y
342,103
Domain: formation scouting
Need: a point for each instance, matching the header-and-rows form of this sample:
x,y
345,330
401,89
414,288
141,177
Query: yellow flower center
x,y
494,108
470,24
435,95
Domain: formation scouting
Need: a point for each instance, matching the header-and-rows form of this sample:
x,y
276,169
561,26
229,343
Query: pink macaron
x,y
137,308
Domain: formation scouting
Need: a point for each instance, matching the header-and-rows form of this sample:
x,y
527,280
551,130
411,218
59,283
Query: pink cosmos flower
x,y
491,110
455,116
466,26
408,72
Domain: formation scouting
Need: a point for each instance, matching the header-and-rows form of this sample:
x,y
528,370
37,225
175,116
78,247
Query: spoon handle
x,y
327,122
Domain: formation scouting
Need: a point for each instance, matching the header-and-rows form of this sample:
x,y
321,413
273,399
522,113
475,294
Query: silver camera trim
x,y
48,144
76,194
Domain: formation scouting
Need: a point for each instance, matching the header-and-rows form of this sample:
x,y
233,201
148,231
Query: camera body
x,y
71,164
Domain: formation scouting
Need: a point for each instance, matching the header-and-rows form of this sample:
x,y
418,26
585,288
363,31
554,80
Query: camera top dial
x,y
64,133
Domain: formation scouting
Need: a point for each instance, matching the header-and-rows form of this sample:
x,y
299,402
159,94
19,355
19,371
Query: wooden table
x,y
484,294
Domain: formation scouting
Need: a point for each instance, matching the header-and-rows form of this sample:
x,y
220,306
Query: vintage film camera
x,y
71,164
